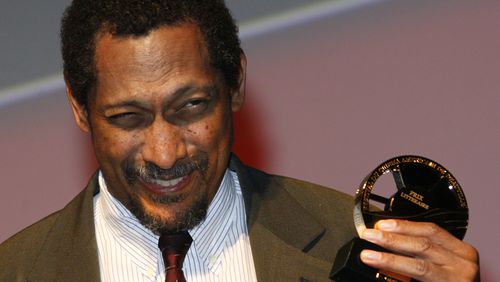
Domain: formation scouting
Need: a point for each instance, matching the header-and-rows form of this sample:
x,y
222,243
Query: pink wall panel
x,y
336,97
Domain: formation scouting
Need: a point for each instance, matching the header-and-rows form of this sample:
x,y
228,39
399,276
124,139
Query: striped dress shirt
x,y
220,250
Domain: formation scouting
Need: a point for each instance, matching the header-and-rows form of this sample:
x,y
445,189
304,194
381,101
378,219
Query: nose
x,y
163,144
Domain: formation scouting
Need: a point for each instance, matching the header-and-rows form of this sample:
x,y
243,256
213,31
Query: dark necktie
x,y
174,248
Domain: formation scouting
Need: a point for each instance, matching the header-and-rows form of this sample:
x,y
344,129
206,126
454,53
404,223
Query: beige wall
x,y
327,101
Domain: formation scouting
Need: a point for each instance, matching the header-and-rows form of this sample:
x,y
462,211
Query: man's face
x,y
161,124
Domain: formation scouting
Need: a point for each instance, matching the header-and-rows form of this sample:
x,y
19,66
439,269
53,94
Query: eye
x,y
195,103
194,106
126,120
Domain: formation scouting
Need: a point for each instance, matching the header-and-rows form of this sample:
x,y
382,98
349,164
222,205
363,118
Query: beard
x,y
182,219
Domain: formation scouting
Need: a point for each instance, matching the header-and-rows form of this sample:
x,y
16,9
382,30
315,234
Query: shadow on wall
x,y
89,163
250,141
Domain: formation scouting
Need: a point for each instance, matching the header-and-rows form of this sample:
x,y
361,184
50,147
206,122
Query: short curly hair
x,y
84,19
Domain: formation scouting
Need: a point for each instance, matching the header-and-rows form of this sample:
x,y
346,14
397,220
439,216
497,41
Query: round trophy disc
x,y
424,191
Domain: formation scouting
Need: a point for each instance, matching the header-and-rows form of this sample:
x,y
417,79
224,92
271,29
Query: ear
x,y
79,111
238,95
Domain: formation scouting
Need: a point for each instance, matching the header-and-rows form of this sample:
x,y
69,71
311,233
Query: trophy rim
x,y
362,198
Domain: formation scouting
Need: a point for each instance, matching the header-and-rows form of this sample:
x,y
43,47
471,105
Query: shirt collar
x,y
209,237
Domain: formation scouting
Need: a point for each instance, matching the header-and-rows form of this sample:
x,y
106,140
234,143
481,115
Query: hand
x,y
425,252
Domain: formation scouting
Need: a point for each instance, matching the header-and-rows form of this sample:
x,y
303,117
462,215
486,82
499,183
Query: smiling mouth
x,y
168,183
160,186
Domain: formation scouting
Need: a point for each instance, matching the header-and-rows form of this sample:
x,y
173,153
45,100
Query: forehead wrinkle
x,y
150,60
152,65
159,59
111,66
141,58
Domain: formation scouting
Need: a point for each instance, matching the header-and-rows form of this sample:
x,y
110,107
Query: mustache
x,y
150,171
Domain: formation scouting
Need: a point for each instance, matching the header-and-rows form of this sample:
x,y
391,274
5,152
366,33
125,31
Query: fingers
x,y
410,267
422,251
420,269
422,247
429,235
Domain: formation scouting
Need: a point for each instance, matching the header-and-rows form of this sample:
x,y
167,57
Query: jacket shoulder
x,y
331,208
60,247
19,252
320,200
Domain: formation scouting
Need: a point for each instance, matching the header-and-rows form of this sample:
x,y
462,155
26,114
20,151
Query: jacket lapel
x,y
276,260
281,231
71,244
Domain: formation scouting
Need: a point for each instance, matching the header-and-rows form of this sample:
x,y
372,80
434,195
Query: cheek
x,y
210,136
113,147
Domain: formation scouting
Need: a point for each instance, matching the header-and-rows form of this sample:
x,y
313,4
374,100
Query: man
x,y
155,84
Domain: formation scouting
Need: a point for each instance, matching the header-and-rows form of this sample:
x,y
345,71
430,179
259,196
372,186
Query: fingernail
x,y
370,255
371,235
386,225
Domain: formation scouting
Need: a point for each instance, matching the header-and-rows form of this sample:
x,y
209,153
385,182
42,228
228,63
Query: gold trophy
x,y
424,191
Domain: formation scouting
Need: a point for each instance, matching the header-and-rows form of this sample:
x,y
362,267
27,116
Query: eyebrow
x,y
130,103
210,89
188,89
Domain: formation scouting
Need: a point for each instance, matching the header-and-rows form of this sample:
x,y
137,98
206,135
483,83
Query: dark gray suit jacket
x,y
295,231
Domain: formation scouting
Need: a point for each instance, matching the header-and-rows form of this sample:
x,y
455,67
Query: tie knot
x,y
174,248
177,242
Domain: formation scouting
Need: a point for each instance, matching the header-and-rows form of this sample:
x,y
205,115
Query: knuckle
x,y
472,253
423,245
433,229
387,259
389,239
421,267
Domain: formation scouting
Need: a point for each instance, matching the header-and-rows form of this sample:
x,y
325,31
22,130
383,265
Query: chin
x,y
161,215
